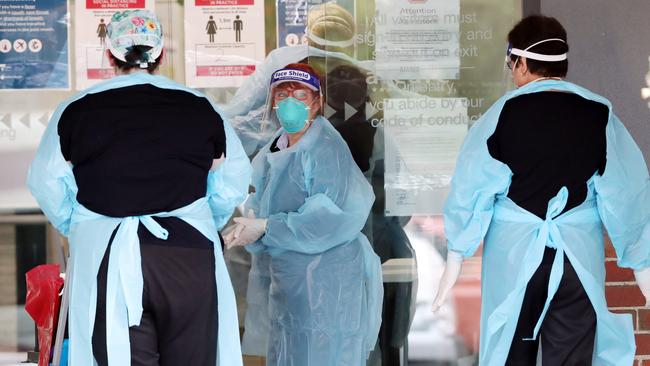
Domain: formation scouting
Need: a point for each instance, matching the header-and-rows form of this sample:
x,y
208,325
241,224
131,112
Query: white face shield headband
x,y
534,55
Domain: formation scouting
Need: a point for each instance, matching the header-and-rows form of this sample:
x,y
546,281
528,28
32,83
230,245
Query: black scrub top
x,y
550,140
140,150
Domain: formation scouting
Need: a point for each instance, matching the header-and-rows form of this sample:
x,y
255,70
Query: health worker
x,y
140,172
315,280
538,177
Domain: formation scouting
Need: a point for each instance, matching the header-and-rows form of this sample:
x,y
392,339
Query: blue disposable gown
x,y
52,183
315,279
478,208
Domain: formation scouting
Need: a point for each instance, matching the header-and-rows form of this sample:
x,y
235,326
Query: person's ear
x,y
523,66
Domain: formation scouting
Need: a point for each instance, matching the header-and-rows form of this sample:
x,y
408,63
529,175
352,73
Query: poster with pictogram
x,y
224,41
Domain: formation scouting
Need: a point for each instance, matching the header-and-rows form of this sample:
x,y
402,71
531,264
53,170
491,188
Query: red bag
x,y
42,304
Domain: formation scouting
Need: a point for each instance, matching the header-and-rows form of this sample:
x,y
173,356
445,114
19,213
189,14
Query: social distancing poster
x,y
224,41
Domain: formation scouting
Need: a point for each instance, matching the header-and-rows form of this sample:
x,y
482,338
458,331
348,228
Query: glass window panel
x,y
377,70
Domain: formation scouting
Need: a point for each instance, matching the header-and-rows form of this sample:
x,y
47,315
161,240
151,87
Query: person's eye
x,y
281,95
301,94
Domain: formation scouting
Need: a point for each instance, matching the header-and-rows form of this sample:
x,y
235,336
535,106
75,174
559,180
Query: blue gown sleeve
x,y
50,178
252,93
336,209
228,184
477,180
247,107
623,197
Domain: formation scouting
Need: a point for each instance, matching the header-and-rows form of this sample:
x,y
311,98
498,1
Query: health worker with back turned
x,y
537,178
140,172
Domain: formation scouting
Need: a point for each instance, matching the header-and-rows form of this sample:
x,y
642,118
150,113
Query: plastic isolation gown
x,y
52,183
478,207
315,280
247,109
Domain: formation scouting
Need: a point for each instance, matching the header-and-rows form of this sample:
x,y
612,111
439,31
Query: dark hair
x,y
536,28
133,57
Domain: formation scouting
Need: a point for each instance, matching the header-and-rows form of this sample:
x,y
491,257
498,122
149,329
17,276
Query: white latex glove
x,y
230,233
448,279
247,231
643,280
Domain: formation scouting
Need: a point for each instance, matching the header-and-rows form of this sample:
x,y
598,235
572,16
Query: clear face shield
x,y
287,87
507,83
269,119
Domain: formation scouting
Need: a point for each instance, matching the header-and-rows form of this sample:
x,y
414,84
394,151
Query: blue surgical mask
x,y
292,114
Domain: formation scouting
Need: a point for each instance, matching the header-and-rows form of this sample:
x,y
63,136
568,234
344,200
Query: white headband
x,y
538,56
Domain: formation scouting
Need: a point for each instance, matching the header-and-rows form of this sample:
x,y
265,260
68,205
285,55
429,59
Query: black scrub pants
x,y
569,327
179,321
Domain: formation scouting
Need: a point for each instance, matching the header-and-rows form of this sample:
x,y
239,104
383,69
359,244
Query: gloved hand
x,y
230,233
248,230
643,280
448,279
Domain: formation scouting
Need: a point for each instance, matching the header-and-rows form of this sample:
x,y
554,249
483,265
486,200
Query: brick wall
x,y
623,296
